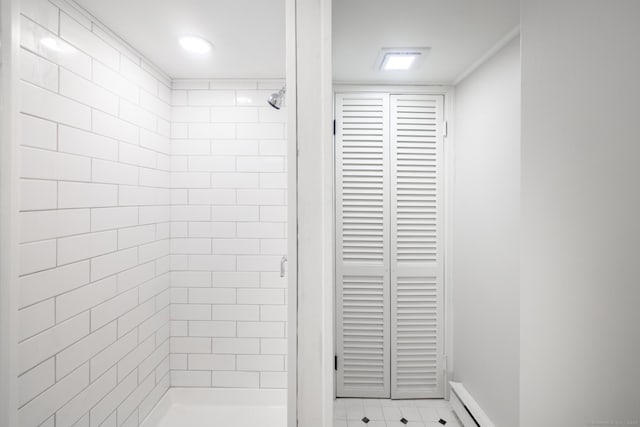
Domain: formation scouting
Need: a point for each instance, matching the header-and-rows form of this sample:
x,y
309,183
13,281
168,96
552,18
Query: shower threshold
x,y
213,407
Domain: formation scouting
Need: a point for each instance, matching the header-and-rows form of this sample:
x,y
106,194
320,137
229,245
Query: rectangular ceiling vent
x,y
401,59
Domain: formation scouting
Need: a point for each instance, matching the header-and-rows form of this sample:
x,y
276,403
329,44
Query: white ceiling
x,y
459,33
248,36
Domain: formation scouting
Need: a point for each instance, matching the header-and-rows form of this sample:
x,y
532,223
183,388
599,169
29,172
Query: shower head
x,y
276,99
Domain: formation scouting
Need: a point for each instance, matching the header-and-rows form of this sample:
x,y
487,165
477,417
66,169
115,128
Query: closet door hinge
x,y
446,129
334,126
335,362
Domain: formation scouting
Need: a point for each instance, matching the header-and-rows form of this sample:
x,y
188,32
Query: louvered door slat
x,y
362,245
416,246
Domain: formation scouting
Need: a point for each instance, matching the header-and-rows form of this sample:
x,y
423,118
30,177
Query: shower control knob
x,y
283,260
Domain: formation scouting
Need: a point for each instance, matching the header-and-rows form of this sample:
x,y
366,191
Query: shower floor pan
x,y
193,407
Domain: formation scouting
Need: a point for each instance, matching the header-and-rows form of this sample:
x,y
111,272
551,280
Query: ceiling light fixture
x,y
400,59
195,44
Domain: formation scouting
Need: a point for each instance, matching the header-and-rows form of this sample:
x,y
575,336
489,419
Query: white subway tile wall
x,y
153,222
228,235
95,224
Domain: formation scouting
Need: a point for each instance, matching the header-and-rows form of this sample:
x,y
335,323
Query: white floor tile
x,y
446,414
340,412
429,414
387,413
411,413
431,403
373,412
391,413
409,424
361,423
396,403
355,412
353,403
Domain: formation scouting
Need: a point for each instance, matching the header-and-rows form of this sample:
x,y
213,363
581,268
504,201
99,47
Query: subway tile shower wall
x,y
95,224
228,235
152,224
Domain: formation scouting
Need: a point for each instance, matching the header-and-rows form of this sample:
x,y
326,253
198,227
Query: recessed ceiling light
x,y
400,59
195,44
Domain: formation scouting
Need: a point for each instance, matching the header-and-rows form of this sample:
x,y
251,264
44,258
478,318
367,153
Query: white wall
x,y
229,218
580,340
94,224
486,235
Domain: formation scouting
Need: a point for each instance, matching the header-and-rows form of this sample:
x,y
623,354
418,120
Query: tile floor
x,y
388,413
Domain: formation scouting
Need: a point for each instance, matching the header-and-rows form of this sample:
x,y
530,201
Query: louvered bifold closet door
x,y
416,246
362,244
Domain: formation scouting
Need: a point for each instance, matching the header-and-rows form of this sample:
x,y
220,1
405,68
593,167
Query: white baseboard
x,y
466,407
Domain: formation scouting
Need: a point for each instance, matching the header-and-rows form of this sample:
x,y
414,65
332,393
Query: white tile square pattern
x,y
351,412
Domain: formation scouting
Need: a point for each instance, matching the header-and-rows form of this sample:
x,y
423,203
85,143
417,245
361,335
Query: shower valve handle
x,y
282,261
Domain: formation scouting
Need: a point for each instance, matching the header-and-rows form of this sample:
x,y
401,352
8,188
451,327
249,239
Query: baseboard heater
x,y
466,408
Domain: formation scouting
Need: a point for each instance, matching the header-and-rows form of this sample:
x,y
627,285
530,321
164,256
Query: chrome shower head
x,y
276,99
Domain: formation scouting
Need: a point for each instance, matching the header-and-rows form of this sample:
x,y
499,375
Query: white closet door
x,y
417,266
362,244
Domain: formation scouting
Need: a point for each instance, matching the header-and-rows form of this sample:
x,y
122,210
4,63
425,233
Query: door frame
x,y
309,96
292,215
449,183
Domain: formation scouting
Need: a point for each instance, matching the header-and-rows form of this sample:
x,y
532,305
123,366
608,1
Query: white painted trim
x,y
292,211
461,394
334,284
387,83
515,32
315,223
213,397
403,89
271,80
9,205
449,192
326,25
461,412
